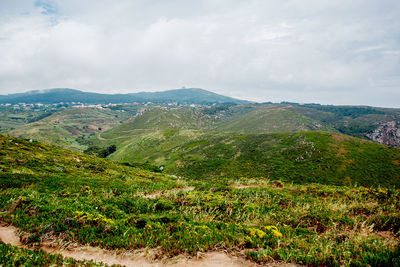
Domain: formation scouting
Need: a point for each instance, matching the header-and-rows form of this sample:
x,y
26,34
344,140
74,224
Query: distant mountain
x,y
56,95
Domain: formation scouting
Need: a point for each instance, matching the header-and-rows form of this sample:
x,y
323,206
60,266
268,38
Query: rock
x,y
387,133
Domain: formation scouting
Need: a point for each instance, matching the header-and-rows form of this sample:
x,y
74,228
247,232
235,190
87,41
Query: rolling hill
x,y
272,118
66,95
253,141
70,128
163,118
72,200
302,157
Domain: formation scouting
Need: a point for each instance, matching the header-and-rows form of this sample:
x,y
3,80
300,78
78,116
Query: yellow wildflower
x,y
274,230
254,232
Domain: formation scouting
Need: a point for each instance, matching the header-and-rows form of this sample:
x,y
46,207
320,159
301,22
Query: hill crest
x,y
57,95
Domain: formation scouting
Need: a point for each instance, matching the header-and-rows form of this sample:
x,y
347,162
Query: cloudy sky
x,y
330,52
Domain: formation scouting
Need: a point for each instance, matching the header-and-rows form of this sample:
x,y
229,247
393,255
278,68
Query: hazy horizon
x,y
341,52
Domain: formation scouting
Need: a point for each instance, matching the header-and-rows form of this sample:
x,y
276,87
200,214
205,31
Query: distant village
x,y
62,105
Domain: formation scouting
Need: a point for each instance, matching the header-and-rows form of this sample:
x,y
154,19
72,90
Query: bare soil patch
x,y
8,234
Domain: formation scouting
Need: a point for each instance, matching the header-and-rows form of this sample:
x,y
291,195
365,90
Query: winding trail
x,y
104,139
9,234
120,137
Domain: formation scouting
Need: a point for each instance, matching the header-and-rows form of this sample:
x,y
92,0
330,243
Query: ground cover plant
x,y
72,127
81,128
302,157
14,256
79,198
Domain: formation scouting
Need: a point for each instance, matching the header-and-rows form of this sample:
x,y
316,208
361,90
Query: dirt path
x,y
104,139
8,234
138,129
127,131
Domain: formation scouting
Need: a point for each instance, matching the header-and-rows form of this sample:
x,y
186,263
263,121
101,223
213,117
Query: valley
x,y
48,192
184,182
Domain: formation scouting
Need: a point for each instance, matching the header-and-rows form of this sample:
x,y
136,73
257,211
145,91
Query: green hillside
x,y
302,157
356,121
12,118
272,119
159,118
70,128
253,141
48,192
188,95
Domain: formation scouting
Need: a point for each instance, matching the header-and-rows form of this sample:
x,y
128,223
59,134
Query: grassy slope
x,y
155,132
156,146
197,152
48,190
64,127
11,119
351,120
302,157
271,119
157,118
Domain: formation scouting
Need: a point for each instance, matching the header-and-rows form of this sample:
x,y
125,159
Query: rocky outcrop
x,y
387,133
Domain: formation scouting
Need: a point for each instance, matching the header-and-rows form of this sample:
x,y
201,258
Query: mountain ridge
x,y
57,95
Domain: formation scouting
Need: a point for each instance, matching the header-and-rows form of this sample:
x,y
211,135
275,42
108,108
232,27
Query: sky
x,y
306,51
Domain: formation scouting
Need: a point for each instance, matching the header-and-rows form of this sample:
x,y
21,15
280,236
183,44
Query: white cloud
x,y
305,51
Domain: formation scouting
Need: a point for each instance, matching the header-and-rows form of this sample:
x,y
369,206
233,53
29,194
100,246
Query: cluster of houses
x,y
63,105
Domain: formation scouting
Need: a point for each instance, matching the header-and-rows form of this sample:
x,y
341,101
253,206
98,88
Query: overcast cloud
x,y
330,52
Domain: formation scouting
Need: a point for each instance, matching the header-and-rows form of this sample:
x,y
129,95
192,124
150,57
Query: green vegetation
x,y
271,181
271,119
80,128
158,118
11,118
51,191
276,118
302,157
71,128
101,152
346,111
66,95
13,256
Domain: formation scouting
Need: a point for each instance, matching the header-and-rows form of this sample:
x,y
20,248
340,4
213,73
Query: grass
x,y
71,128
14,256
48,190
264,118
162,118
304,157
11,118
